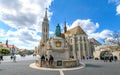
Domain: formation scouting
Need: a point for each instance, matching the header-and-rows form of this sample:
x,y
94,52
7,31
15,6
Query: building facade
x,y
93,43
13,49
75,38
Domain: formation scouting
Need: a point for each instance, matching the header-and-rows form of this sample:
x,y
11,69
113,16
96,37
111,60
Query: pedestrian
x,y
1,57
42,60
51,60
110,58
115,58
11,57
14,58
46,60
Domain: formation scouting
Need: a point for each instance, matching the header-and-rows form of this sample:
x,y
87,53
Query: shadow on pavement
x,y
91,65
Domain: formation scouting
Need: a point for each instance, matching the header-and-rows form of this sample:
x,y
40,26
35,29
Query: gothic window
x,y
76,46
80,38
76,39
81,47
84,39
46,30
85,46
71,48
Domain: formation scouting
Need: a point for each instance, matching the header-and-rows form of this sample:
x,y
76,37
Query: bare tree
x,y
115,40
115,37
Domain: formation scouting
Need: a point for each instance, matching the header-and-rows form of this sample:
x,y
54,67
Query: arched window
x,y
80,38
84,38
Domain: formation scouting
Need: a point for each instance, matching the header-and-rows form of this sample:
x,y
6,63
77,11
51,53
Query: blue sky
x,y
20,20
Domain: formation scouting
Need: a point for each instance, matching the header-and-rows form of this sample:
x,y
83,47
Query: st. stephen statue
x,y
58,31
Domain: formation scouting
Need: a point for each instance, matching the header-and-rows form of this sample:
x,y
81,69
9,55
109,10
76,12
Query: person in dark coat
x,y
42,60
51,60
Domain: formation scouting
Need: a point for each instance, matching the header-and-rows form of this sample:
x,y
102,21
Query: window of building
x,y
76,46
76,39
81,47
84,39
85,46
46,30
80,38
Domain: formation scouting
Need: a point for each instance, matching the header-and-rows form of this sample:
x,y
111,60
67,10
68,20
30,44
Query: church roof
x,y
76,30
8,46
94,41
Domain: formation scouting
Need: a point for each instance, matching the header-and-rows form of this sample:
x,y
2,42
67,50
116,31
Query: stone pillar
x,y
79,50
84,49
74,51
88,49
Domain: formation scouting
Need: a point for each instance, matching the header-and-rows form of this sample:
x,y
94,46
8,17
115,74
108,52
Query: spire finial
x,y
65,27
45,18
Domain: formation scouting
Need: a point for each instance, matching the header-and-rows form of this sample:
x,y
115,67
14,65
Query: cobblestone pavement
x,y
22,68
97,67
92,68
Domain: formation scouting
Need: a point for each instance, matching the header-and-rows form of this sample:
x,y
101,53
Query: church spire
x,y
65,27
46,18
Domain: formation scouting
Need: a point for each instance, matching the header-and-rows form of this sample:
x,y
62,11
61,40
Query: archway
x,y
105,54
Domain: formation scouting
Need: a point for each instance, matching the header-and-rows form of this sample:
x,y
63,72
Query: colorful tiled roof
x,y
76,30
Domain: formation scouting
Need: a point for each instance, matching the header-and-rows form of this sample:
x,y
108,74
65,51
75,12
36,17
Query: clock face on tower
x,y
58,44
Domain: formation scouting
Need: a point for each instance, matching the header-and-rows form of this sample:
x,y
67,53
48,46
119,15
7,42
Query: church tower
x,y
45,28
65,28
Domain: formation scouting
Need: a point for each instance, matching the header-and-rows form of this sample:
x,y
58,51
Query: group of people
x,y
12,57
47,60
110,58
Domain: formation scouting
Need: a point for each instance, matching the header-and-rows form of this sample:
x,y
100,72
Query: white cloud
x,y
23,13
25,17
24,37
117,2
118,9
100,35
2,32
86,25
114,1
90,28
51,32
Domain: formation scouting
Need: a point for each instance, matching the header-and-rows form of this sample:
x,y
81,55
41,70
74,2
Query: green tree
x,y
0,50
5,51
30,52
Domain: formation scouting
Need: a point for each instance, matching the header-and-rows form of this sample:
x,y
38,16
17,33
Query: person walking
x,y
42,60
14,58
51,60
1,57
46,60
